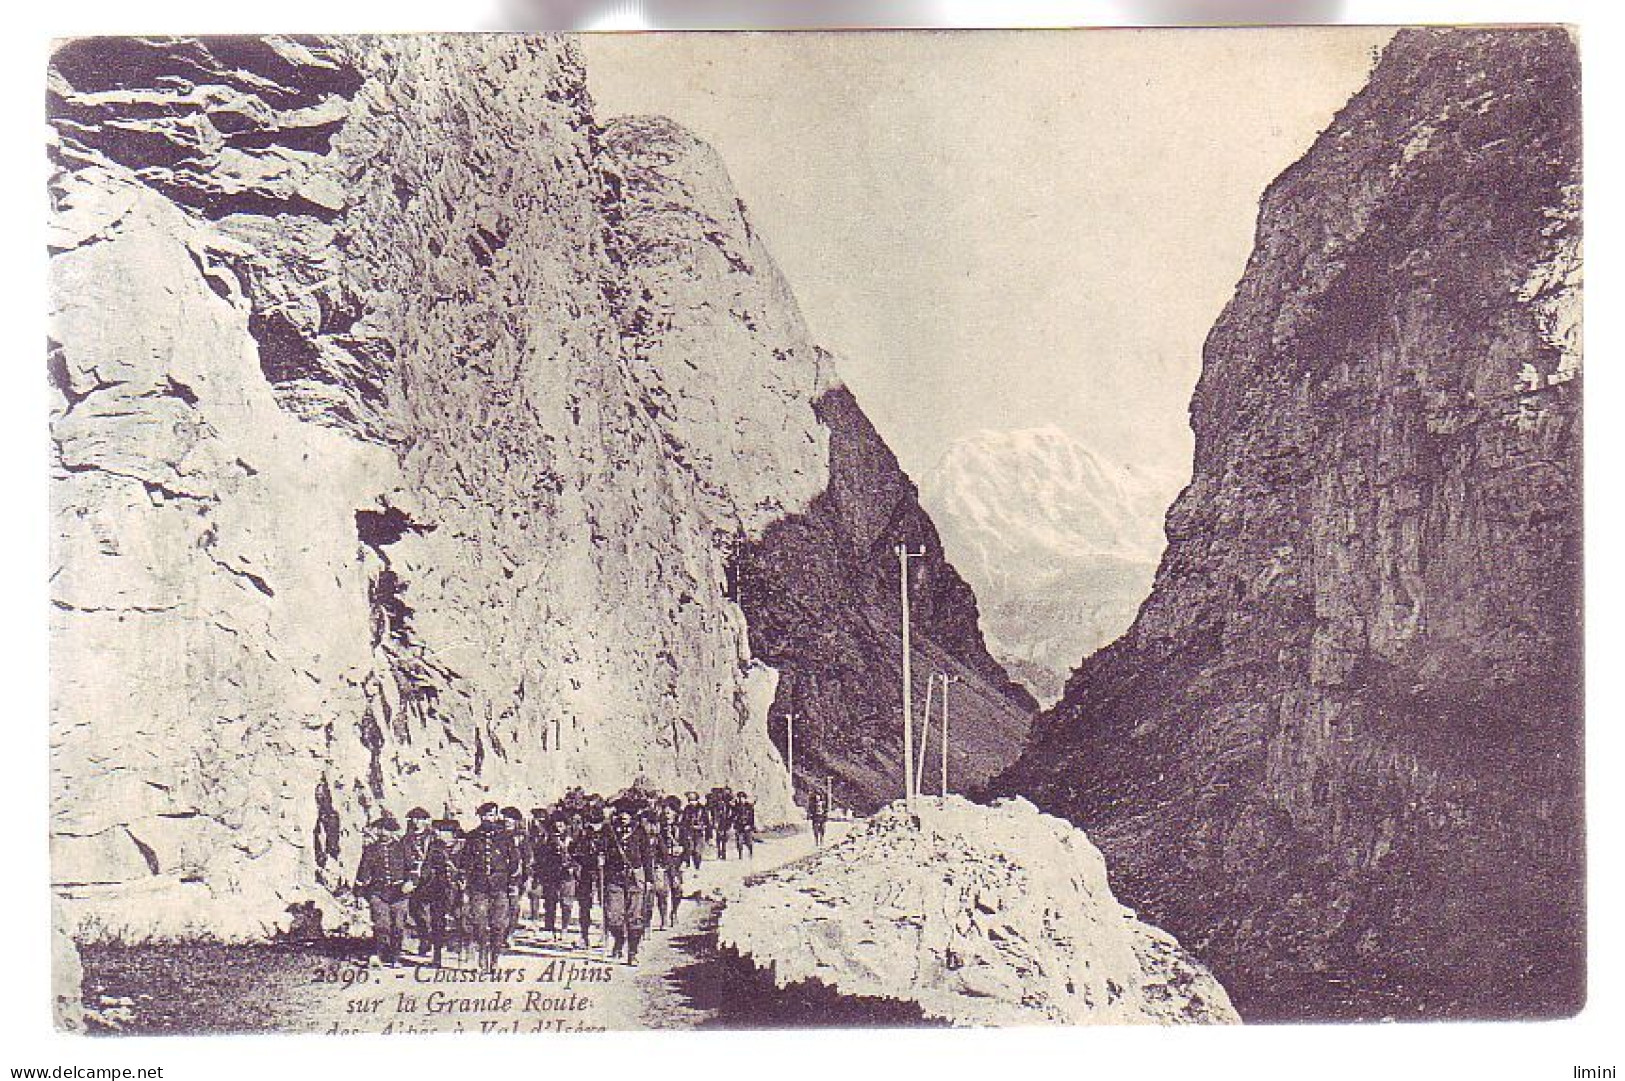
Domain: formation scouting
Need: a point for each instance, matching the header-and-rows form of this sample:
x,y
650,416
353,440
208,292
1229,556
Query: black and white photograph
x,y
596,532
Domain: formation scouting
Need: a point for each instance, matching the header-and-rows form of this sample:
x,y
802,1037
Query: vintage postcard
x,y
662,531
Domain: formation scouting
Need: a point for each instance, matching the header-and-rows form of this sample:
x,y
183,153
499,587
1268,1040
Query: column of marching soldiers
x,y
458,890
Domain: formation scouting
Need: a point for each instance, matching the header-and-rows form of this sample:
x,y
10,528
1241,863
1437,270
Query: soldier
x,y
457,937
428,884
654,826
743,821
513,819
548,859
535,832
587,855
492,870
693,820
671,858
381,878
565,830
721,818
818,811
625,885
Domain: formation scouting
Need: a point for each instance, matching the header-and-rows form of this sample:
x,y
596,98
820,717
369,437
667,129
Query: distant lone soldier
x,y
381,879
818,812
743,821
428,884
492,871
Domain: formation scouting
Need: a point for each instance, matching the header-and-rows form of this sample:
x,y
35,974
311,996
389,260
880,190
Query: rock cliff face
x,y
407,425
1339,752
820,589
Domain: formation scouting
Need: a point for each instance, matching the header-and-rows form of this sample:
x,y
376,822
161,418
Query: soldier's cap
x,y
385,821
486,809
538,812
514,813
417,812
447,824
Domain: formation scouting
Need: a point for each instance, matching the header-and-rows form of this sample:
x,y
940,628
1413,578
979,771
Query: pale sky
x,y
1008,229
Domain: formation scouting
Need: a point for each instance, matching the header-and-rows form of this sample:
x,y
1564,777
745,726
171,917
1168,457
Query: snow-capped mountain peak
x,y
1059,541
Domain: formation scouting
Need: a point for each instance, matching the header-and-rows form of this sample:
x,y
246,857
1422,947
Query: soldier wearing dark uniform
x,y
818,812
586,853
381,879
535,830
457,937
514,819
671,855
428,884
626,885
653,824
646,831
721,819
743,821
692,819
492,872
568,828
548,859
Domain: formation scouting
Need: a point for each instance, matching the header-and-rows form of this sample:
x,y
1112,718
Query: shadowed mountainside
x,y
1339,752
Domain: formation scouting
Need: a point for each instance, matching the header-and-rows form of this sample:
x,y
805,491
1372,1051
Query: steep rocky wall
x,y
1339,753
406,424
820,589
802,493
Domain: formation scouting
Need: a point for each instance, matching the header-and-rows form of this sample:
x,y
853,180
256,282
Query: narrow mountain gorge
x,y
1339,752
418,436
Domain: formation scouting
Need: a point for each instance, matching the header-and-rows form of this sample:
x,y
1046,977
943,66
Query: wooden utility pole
x,y
790,746
925,733
903,556
946,679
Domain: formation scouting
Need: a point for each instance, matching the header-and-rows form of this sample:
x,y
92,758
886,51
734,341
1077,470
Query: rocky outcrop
x,y
407,424
1339,752
802,493
979,915
1059,542
820,590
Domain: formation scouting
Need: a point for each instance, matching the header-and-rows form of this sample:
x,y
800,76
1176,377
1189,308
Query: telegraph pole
x,y
946,679
790,743
903,556
925,733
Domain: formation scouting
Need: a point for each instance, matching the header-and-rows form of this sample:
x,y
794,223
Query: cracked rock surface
x,y
408,429
979,915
